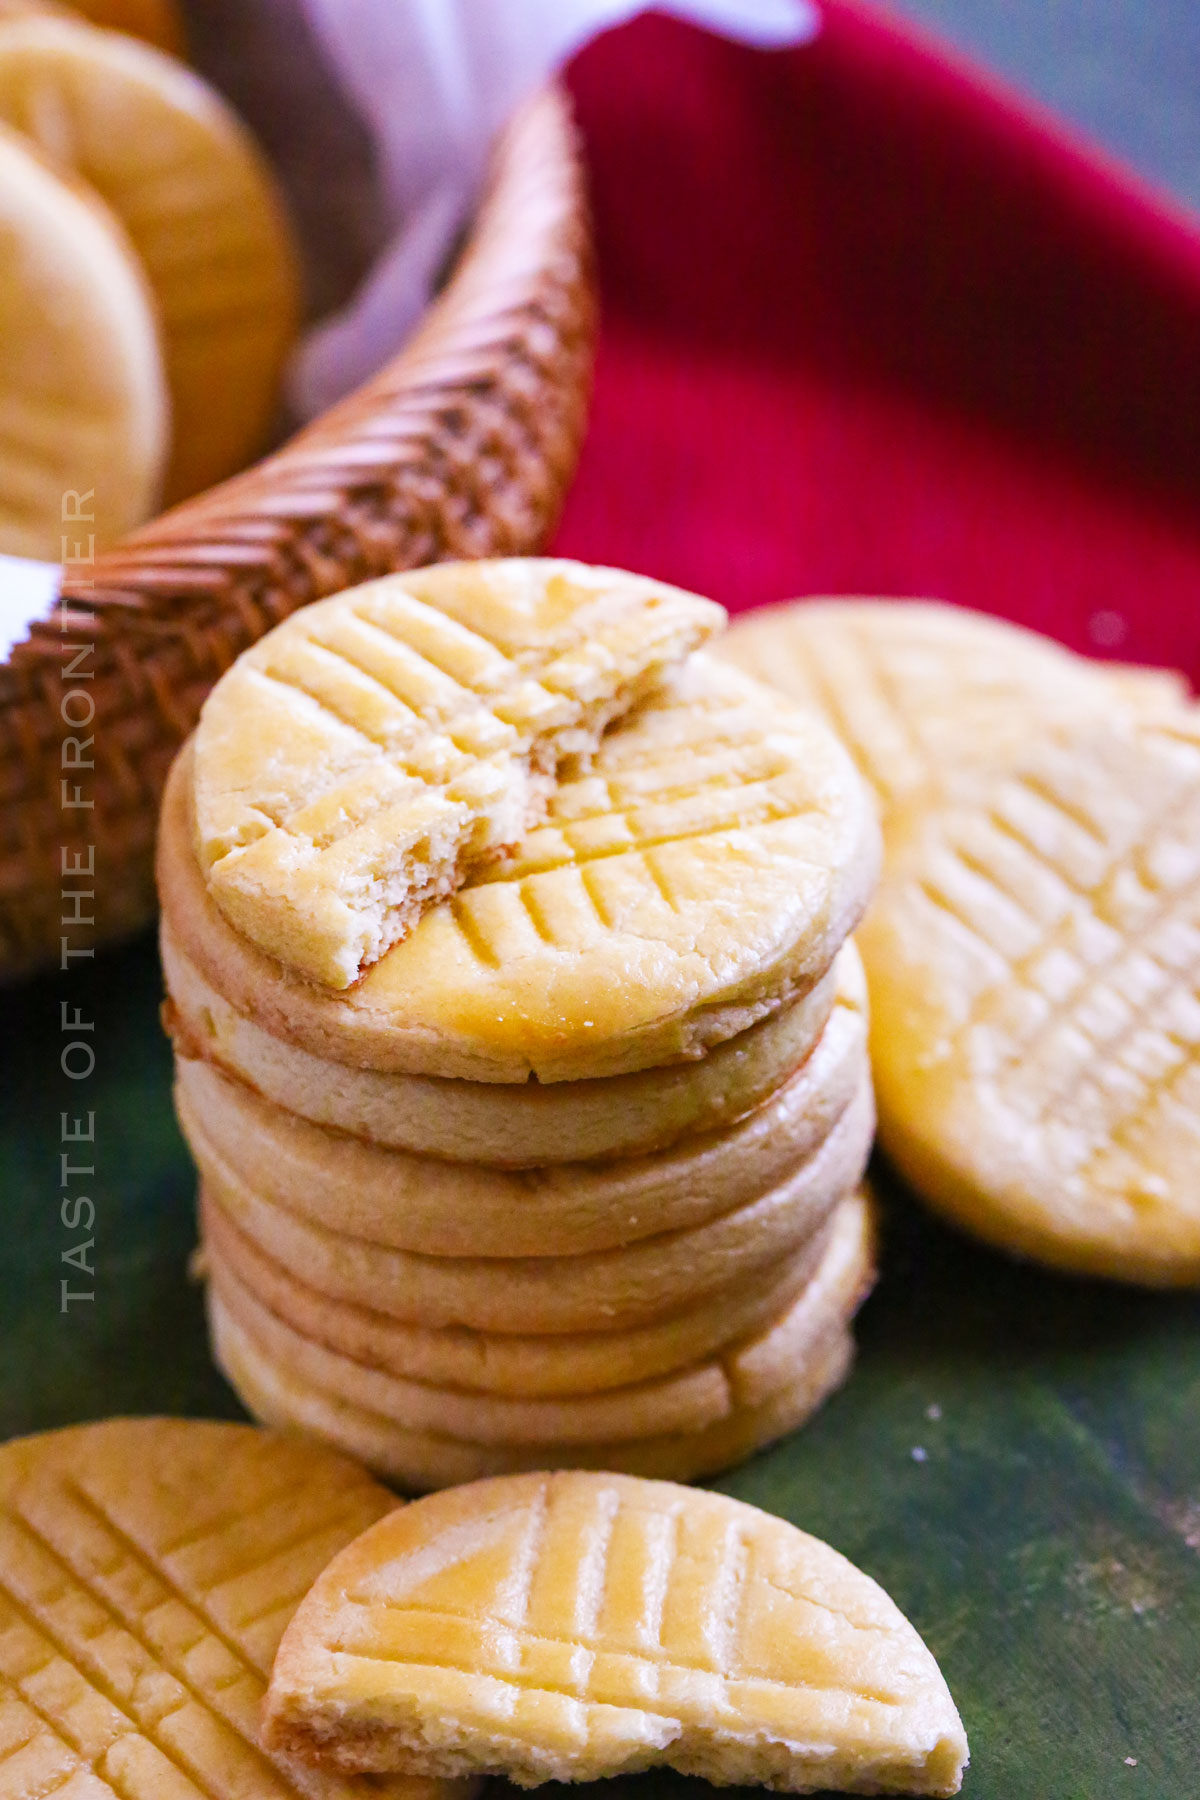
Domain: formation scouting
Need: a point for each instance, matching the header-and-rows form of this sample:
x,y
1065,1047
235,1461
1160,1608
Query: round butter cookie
x,y
918,690
418,1461
515,1125
810,1347
631,1285
462,1209
363,758
148,1568
574,1626
83,406
686,1399
200,205
705,870
157,21
1034,965
507,1363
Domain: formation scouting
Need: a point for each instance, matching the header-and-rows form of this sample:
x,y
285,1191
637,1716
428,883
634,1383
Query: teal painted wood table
x,y
1016,1457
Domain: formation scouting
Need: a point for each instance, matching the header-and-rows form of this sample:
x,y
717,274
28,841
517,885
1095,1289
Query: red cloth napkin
x,y
874,325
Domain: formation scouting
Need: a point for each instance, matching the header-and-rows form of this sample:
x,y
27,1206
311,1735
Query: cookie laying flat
x,y
775,1373
147,1570
576,1626
517,1125
515,1364
745,1369
1034,963
441,1208
420,1460
705,872
156,21
199,203
83,404
918,690
631,1284
374,749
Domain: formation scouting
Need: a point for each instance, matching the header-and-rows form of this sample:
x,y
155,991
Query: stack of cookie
x,y
520,1157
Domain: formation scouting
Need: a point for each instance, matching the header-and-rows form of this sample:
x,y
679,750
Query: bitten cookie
x,y
704,871
374,750
573,1626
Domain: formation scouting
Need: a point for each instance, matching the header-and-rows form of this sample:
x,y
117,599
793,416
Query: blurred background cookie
x,y
83,405
201,209
157,21
918,690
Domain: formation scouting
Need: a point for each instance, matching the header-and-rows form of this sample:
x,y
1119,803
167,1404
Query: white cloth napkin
x,y
435,81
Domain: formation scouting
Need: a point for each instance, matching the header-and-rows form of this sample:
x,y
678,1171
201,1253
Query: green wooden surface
x,y
1045,1537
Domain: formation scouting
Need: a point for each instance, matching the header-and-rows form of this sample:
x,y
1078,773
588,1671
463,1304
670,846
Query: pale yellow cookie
x,y
685,1399
573,1626
1147,689
191,188
631,1285
706,871
157,21
777,1374
373,751
83,408
918,690
529,1124
1034,963
419,1460
509,1363
567,1209
147,1570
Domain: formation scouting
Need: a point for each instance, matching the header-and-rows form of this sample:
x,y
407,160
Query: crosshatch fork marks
x,y
146,1719
133,1628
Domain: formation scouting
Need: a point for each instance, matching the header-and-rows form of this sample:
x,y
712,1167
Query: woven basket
x,y
462,446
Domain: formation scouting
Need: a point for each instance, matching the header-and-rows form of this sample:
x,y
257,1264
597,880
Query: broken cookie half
x,y
576,1625
367,754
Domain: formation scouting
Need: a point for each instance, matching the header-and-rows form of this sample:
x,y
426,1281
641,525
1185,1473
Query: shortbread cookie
x,y
509,1363
688,1399
147,1570
200,205
83,407
917,690
373,751
809,1353
527,1124
574,1626
462,1209
704,873
1147,689
631,1285
419,1460
1034,960
157,21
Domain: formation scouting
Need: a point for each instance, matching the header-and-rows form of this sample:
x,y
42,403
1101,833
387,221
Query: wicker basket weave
x,y
462,446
